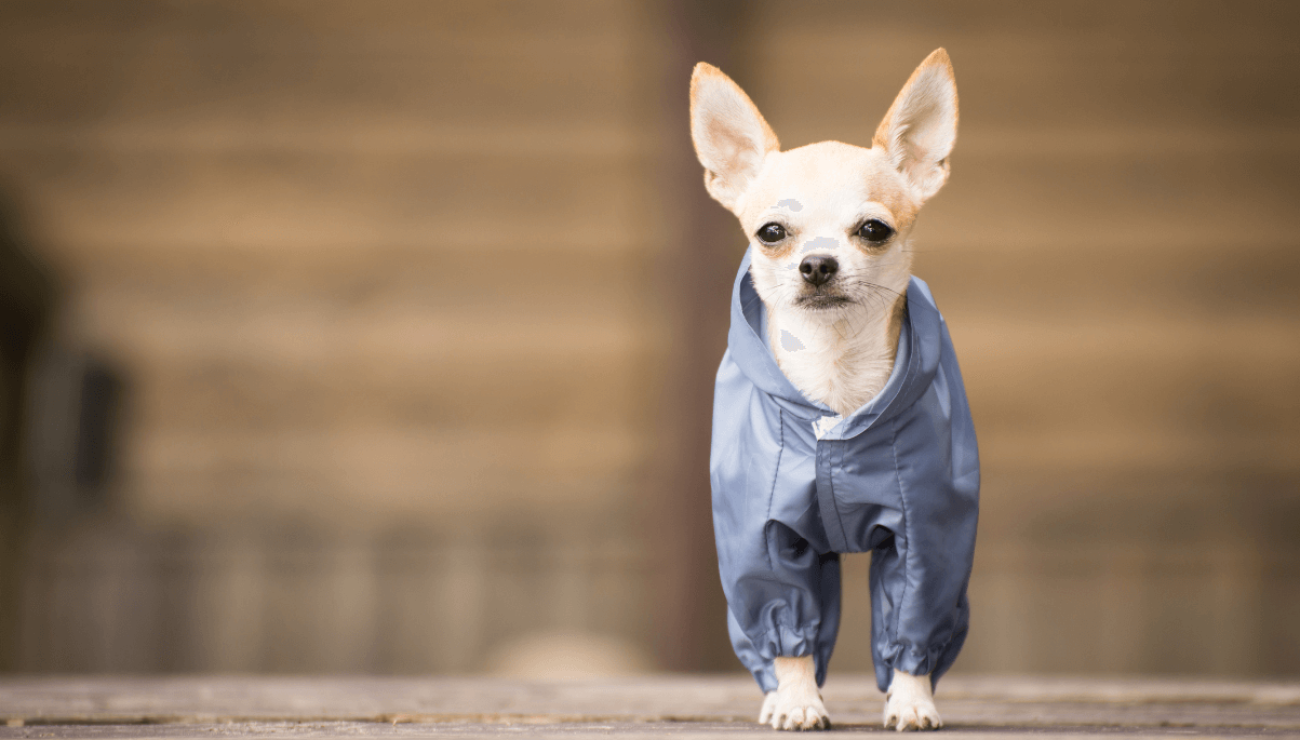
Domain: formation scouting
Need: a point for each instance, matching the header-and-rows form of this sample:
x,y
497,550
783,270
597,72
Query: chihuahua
x,y
842,445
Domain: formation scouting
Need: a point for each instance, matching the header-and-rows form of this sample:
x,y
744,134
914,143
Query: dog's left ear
x,y
921,126
731,137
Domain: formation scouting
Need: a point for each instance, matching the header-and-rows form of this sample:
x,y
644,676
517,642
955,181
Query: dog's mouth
x,y
820,301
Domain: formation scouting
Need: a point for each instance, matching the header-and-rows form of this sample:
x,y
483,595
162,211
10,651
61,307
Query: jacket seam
x,y
776,475
834,516
838,464
902,504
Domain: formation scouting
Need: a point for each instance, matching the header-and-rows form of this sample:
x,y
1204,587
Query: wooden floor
x,y
987,707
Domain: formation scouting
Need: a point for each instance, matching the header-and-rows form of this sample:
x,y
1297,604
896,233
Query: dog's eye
x,y
771,233
875,230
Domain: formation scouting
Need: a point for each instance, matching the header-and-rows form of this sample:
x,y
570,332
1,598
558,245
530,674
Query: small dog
x,y
840,420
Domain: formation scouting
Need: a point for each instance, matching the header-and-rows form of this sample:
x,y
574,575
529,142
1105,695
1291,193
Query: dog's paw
x,y
796,704
769,706
919,715
910,705
794,710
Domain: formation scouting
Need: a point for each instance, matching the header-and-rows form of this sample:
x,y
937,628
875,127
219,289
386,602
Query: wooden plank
x,y
1134,707
314,64
376,475
302,204
1109,64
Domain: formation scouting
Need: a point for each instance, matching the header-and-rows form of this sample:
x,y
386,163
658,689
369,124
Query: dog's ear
x,y
731,137
921,126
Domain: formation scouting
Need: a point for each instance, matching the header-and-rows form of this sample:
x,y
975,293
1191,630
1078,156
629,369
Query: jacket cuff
x,y
913,660
783,642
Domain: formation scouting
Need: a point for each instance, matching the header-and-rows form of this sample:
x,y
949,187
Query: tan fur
x,y
840,354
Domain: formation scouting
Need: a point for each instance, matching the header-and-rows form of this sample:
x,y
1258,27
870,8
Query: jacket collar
x,y
915,364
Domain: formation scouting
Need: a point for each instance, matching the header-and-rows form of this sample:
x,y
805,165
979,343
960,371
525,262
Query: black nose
x,y
818,269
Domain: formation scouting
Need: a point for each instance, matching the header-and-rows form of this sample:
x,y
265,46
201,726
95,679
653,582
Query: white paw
x,y
796,704
769,706
910,704
794,713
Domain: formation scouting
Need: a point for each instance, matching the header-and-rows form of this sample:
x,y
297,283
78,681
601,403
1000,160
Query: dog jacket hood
x,y
898,478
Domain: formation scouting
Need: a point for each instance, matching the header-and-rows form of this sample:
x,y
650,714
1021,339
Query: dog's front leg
x,y
909,704
796,704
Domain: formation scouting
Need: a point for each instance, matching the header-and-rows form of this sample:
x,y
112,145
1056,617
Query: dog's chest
x,y
840,368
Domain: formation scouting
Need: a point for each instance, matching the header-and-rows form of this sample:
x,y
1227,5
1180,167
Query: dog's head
x,y
828,222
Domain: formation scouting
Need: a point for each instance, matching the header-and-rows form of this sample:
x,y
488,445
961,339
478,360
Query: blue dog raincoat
x,y
898,478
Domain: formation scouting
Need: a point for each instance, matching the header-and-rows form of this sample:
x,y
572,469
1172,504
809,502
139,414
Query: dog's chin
x,y
821,302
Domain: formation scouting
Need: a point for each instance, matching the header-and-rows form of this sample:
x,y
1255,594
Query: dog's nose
x,y
818,269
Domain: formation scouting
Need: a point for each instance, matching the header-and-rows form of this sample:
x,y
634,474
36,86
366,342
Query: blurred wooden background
x,y
418,346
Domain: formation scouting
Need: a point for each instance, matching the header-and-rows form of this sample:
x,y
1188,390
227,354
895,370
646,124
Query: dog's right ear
x,y
731,137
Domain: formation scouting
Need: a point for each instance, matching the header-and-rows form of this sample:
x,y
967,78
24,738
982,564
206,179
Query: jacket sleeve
x,y
782,591
920,612
785,607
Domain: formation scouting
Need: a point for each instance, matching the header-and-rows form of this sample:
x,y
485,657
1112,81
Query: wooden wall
x,y
367,269
389,279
